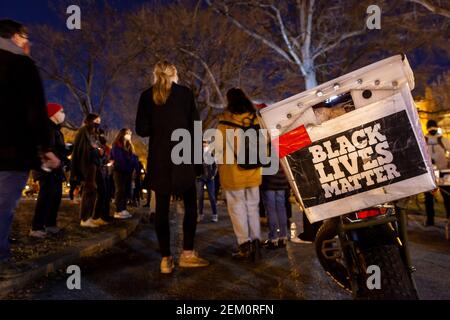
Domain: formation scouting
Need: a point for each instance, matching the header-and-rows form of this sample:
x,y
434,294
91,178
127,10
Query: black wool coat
x,y
24,126
60,150
158,123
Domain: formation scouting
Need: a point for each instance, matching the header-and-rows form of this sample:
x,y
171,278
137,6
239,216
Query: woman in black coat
x,y
162,109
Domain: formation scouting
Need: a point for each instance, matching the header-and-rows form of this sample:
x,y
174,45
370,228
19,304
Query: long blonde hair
x,y
164,74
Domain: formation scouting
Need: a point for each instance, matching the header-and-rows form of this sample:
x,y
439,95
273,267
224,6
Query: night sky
x,y
38,11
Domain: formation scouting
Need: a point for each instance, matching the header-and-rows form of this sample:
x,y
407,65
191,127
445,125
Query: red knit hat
x,y
53,108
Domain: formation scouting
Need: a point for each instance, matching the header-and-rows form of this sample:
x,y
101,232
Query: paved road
x,y
131,270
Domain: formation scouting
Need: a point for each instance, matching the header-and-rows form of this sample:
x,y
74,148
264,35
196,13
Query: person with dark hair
x,y
163,108
103,182
86,160
50,183
24,126
438,146
125,162
207,179
274,198
241,186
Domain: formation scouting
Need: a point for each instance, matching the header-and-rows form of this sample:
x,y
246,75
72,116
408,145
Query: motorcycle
x,y
352,246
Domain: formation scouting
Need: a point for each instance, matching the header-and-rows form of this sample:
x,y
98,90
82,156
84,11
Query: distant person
x,y
241,186
207,179
438,146
24,128
50,183
274,198
163,108
103,182
86,161
125,163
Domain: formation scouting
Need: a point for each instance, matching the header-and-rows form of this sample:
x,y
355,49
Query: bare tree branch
x,y
433,8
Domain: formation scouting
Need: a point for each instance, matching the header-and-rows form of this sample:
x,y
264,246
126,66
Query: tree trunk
x,y
310,76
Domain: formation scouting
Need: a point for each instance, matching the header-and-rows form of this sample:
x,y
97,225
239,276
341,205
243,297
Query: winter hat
x,y
53,108
431,124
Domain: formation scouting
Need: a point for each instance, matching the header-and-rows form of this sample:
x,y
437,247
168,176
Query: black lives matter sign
x,y
366,157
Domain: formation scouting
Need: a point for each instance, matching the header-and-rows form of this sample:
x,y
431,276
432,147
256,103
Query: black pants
x,y
73,186
309,230
48,202
189,223
102,205
429,204
89,194
122,181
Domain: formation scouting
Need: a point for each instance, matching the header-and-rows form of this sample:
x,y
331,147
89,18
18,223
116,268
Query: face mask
x,y
127,137
432,132
60,117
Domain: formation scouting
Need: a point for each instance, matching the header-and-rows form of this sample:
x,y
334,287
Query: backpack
x,y
247,146
439,140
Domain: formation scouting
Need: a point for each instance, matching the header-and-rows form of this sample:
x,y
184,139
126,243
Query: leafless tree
x,y
434,8
300,32
87,62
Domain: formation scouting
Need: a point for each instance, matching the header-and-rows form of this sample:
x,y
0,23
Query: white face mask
x,y
127,137
59,117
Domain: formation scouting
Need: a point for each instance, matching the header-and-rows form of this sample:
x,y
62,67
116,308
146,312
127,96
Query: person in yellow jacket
x,y
241,186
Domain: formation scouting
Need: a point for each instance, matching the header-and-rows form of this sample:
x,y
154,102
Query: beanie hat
x,y
431,124
53,108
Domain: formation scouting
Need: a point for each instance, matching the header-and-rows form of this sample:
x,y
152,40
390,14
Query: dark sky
x,y
38,11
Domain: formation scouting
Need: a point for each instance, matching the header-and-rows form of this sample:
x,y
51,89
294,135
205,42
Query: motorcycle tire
x,y
395,280
334,268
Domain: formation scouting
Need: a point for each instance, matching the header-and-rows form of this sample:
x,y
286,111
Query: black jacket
x,y
277,181
24,127
85,153
158,123
60,150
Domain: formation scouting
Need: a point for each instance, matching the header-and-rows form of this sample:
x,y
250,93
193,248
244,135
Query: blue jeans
x,y
211,188
275,204
11,186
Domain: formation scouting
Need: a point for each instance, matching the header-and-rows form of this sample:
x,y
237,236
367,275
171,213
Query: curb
x,y
45,265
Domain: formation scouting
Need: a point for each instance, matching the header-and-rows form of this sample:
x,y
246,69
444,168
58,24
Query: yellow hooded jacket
x,y
232,177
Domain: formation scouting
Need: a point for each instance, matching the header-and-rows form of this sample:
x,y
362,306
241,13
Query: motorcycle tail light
x,y
370,213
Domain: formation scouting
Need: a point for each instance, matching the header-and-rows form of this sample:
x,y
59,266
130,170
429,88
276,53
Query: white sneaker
x,y
89,223
38,234
300,241
215,218
100,222
122,215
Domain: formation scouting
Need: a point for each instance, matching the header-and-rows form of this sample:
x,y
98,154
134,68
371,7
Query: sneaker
x,y
122,215
167,265
270,244
192,261
40,234
89,224
200,217
215,218
243,252
52,230
100,222
300,241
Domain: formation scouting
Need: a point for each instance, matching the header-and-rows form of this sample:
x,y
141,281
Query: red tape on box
x,y
292,141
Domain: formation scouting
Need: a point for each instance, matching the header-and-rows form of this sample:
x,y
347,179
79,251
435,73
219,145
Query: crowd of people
x,y
101,172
